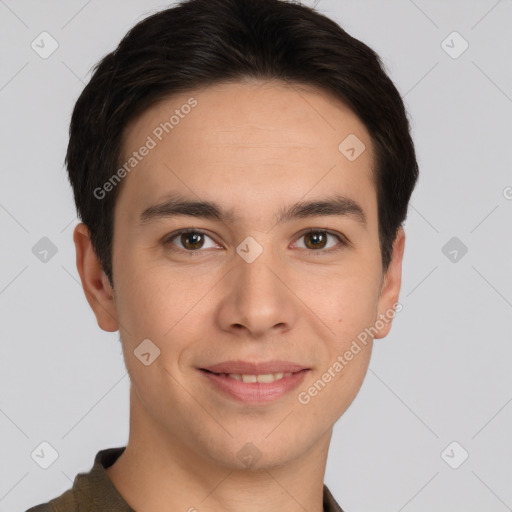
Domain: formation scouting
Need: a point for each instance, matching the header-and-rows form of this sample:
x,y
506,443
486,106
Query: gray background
x,y
442,375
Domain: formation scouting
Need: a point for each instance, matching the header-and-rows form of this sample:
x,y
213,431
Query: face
x,y
261,283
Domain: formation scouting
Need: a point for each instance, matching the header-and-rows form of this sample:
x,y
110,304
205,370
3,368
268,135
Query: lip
x,y
255,392
253,368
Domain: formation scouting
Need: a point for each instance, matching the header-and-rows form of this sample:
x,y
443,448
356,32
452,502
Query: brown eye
x,y
192,240
318,239
189,240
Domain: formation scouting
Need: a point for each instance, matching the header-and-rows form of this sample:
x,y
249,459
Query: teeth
x,y
266,378
271,377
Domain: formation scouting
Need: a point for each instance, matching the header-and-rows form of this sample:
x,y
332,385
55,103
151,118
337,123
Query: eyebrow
x,y
337,205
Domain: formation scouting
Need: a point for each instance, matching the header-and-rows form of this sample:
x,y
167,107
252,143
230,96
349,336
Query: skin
x,y
253,147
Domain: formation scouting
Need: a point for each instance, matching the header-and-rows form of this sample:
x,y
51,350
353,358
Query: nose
x,y
258,298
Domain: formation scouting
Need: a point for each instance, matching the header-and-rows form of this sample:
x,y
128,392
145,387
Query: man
x,y
242,169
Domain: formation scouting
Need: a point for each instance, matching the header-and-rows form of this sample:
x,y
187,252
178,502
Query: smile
x,y
263,378
254,389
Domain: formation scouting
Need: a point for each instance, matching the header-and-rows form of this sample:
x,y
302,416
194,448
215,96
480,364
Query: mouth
x,y
252,383
253,368
264,378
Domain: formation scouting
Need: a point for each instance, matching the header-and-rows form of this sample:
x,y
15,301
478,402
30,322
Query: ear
x,y
97,289
391,284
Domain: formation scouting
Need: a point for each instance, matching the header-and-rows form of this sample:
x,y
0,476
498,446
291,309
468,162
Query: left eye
x,y
317,240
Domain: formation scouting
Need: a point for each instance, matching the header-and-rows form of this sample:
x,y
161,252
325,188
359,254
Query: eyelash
x,y
343,241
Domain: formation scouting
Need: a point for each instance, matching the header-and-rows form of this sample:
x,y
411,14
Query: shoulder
x,y
330,504
45,507
63,503
91,490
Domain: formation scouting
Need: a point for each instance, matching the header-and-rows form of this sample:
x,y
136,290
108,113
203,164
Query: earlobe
x,y
391,284
97,289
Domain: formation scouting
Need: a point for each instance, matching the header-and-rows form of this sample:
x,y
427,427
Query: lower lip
x,y
255,392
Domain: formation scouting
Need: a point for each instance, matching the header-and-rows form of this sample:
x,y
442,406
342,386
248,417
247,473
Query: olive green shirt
x,y
95,492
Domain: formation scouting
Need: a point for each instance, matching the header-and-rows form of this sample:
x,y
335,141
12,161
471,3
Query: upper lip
x,y
253,368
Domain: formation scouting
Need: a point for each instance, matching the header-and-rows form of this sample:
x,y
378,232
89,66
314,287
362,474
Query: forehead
x,y
259,140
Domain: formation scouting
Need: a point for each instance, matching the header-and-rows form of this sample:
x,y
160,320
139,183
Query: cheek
x,y
151,297
145,309
162,305
349,304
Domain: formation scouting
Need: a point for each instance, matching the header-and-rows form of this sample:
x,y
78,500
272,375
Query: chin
x,y
243,452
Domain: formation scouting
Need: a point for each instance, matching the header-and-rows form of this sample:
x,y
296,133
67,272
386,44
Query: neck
x,y
156,474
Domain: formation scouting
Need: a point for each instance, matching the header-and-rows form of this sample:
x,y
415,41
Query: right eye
x,y
191,240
